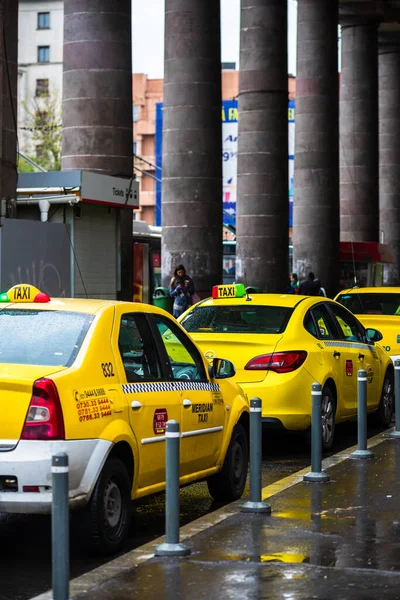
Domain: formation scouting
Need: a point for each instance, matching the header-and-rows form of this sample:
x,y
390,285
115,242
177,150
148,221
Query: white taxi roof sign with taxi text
x,y
236,290
24,292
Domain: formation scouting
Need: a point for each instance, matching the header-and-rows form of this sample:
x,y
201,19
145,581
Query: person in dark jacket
x,y
310,287
181,290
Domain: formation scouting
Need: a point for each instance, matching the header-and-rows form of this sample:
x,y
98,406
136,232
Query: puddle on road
x,y
283,557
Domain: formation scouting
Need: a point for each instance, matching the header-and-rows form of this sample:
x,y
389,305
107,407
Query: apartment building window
x,y
135,113
42,87
43,20
43,54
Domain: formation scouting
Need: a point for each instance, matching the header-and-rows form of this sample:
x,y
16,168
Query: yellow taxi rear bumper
x,y
285,397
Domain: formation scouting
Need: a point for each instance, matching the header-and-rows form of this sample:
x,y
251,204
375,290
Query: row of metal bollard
x,y
362,451
172,545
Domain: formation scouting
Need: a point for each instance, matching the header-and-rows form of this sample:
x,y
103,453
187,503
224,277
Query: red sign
x,y
349,367
160,420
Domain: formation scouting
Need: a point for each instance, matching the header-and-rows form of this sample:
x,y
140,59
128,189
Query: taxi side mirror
x,y
374,335
222,369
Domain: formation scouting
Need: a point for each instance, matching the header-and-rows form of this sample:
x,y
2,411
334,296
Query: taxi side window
x,y
137,349
350,328
319,323
183,357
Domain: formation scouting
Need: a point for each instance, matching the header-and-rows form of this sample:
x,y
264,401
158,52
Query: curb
x,y
132,559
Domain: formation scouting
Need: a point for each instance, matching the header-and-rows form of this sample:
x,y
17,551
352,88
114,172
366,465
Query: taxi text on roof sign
x,y
229,291
24,293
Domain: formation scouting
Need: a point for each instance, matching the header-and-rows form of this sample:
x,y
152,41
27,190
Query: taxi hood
x,y
16,386
239,348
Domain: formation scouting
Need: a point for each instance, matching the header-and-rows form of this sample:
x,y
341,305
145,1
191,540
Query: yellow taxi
x,y
99,380
282,344
377,307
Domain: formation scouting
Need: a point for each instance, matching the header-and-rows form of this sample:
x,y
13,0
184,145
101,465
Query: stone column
x,y
192,143
262,195
359,194
8,98
316,166
389,148
97,100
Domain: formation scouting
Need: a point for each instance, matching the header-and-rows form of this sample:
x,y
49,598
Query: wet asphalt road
x,y
25,540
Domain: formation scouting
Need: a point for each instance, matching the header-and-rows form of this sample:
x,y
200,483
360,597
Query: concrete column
x,y
316,166
262,195
97,86
192,143
359,195
8,98
389,148
97,100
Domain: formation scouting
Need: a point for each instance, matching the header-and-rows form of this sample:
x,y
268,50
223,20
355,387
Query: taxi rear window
x,y
41,337
383,303
237,319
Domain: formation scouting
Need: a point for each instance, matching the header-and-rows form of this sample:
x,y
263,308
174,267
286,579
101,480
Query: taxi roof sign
x,y
236,290
24,293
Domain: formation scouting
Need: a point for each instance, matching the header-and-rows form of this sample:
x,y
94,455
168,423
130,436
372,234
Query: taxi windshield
x,y
41,337
237,319
374,303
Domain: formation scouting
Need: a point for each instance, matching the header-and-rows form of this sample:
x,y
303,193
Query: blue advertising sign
x,y
229,159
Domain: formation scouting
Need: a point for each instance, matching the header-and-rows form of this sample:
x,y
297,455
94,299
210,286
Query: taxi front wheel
x,y
229,483
110,510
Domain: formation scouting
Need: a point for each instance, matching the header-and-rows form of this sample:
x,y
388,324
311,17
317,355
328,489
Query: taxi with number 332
x,y
99,380
282,344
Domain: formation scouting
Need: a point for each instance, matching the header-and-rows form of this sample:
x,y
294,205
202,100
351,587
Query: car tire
x,y
383,416
328,417
110,509
229,483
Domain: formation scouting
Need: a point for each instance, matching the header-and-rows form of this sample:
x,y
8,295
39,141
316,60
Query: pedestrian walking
x,y
310,287
181,289
294,283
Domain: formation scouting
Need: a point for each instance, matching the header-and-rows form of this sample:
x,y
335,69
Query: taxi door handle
x,y
187,403
135,404
361,356
336,354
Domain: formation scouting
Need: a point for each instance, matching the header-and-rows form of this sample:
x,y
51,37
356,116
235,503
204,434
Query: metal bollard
x,y
362,451
316,473
60,527
172,547
255,505
396,432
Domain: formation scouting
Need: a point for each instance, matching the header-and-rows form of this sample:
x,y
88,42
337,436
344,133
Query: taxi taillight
x,y
44,420
280,362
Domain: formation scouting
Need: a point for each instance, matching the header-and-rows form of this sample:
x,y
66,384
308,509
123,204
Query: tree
x,y
43,121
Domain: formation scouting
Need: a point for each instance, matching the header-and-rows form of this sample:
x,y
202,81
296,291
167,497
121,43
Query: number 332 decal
x,y
108,369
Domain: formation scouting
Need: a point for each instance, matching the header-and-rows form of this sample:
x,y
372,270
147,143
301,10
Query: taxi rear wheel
x,y
328,414
110,510
229,483
384,414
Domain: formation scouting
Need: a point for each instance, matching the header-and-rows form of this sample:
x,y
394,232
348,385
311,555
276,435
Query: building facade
x,y
40,63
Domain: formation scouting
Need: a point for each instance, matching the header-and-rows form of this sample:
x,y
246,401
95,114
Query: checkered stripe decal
x,y
349,345
169,386
185,386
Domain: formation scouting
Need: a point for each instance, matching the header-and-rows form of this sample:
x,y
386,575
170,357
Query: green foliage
x,y
43,120
24,166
